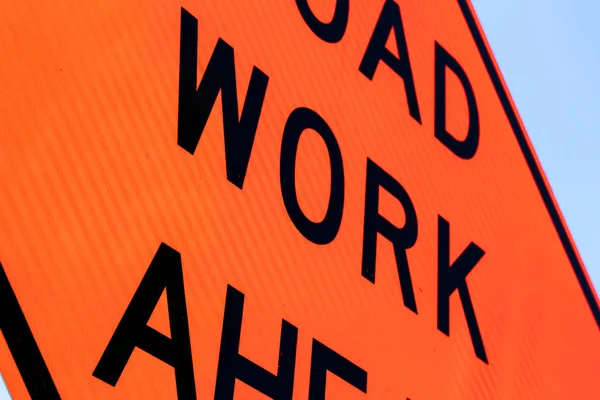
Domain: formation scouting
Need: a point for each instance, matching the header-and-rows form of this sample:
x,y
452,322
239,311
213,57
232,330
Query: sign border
x,y
33,368
531,159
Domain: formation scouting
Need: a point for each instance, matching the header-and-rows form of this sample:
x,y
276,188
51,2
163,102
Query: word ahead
x,y
165,273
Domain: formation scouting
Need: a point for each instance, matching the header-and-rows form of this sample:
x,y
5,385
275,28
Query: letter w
x,y
195,106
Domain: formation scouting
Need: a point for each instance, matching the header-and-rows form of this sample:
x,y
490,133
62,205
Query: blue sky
x,y
549,54
3,391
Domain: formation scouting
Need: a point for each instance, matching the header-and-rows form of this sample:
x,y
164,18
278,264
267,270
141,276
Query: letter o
x,y
325,231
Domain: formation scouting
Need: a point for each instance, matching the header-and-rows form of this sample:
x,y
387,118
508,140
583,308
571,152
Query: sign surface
x,y
277,199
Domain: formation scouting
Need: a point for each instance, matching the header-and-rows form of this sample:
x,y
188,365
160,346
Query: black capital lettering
x,y
195,106
324,359
233,365
466,148
453,277
331,32
22,345
391,19
317,232
402,238
164,272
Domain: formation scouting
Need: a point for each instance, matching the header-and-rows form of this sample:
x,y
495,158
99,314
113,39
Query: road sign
x,y
277,199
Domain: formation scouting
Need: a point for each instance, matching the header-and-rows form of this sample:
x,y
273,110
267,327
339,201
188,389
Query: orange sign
x,y
277,199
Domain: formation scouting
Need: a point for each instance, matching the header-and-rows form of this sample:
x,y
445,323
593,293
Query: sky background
x,y
3,391
549,55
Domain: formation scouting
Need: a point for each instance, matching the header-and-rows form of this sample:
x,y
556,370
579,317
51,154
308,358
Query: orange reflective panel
x,y
277,199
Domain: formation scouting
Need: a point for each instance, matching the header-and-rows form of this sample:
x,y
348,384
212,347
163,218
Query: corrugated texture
x,y
92,181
